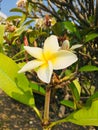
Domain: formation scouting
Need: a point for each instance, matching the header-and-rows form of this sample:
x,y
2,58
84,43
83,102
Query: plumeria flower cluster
x,y
21,3
50,57
10,27
47,21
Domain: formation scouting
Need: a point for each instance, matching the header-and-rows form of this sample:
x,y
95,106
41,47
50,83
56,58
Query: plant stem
x,y
56,123
46,107
19,53
37,112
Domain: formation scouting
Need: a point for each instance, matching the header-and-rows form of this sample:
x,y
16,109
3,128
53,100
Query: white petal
x,y
36,52
63,59
30,65
75,46
51,46
45,72
65,45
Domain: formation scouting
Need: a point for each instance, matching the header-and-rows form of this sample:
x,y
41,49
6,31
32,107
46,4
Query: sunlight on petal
x,y
30,65
36,52
45,72
63,59
51,45
75,46
65,45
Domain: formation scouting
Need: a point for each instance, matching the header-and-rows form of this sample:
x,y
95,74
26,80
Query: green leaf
x,y
10,18
28,22
68,103
8,66
72,28
13,84
37,89
24,17
76,89
17,10
77,85
85,116
30,6
35,34
68,72
87,68
2,28
91,99
60,27
19,31
91,36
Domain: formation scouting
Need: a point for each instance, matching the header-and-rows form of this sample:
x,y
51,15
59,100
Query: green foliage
x,y
37,89
21,88
68,72
88,68
94,97
34,34
28,22
18,10
13,84
10,18
91,36
2,28
68,103
60,27
85,116
76,89
19,31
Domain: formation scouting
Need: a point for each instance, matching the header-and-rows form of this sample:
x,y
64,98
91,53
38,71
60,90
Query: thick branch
x,y
82,6
73,9
43,7
79,15
49,2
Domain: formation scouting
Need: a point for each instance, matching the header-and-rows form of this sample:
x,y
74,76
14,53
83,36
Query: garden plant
x,y
50,48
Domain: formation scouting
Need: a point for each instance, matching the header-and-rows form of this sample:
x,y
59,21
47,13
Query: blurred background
x,y
6,5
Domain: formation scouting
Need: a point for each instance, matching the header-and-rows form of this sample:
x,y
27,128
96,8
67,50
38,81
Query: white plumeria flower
x,y
48,59
40,22
21,3
66,46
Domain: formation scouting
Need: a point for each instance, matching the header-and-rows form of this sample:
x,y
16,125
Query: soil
x,y
16,116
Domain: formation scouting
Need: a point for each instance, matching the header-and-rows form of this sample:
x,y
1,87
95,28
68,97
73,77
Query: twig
x,y
62,107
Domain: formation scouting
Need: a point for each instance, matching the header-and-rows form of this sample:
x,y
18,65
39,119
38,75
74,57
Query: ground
x,y
16,116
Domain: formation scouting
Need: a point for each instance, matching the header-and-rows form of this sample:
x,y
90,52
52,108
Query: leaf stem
x,y
37,112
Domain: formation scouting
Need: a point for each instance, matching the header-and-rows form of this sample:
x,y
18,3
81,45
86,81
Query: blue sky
x,y
6,5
